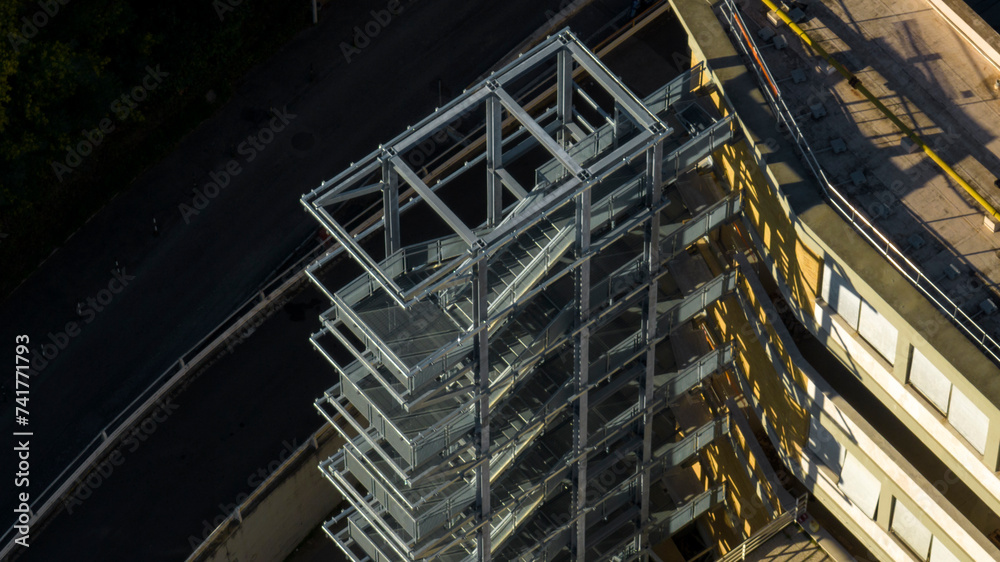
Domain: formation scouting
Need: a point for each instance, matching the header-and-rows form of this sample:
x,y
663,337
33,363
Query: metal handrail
x,y
764,534
856,218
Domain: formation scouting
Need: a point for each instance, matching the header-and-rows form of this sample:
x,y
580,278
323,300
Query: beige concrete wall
x,y
899,481
801,231
790,218
283,510
741,498
920,325
765,384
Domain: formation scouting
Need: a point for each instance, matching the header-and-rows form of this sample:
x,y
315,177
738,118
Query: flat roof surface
x,y
908,56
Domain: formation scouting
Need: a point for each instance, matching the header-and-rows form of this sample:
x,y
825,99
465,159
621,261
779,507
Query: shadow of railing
x,y
856,218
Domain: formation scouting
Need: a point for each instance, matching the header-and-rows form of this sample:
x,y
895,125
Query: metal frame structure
x,y
511,379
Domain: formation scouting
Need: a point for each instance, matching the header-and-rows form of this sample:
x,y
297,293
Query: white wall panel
x,y
968,420
860,485
940,553
930,381
878,331
908,528
840,295
825,446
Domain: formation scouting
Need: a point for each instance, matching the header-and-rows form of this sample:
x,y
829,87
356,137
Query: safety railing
x,y
704,367
861,223
678,89
622,280
674,520
765,533
696,302
589,147
673,454
686,233
697,148
426,254
535,269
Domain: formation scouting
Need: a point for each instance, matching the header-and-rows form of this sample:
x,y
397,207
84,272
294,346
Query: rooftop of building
x,y
936,82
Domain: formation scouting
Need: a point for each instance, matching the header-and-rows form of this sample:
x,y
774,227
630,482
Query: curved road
x,y
310,113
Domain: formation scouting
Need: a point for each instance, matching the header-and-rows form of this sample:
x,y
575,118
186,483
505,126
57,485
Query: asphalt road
x,y
212,445
176,287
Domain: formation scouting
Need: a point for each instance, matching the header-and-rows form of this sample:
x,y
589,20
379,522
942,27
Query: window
x,y
860,485
930,381
968,420
910,530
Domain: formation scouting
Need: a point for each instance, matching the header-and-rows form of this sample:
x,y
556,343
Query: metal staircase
x,y
489,369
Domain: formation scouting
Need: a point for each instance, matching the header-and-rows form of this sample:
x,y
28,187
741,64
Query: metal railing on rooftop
x,y
856,218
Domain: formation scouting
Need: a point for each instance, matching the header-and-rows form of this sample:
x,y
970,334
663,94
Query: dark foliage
x,y
64,67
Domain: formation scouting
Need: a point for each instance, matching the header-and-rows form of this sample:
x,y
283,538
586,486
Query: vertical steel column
x,y
390,206
564,94
482,345
618,125
581,367
494,161
651,250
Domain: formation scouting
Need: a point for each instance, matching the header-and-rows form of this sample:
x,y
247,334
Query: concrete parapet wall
x,y
970,26
281,512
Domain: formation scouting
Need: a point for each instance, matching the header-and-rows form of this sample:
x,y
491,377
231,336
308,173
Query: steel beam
x,y
512,184
494,162
480,304
617,126
539,133
339,182
356,252
622,95
581,369
335,197
528,61
390,208
651,243
593,104
428,195
439,119
564,94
